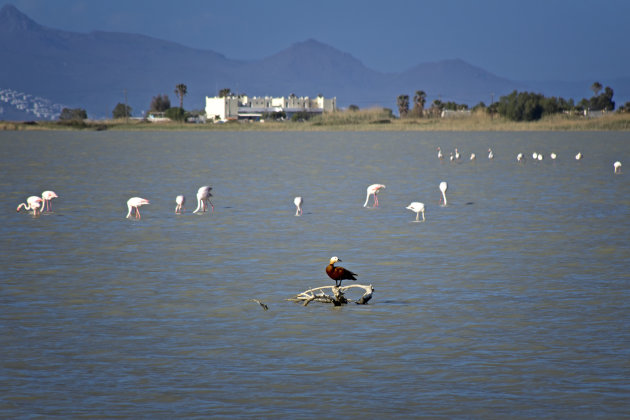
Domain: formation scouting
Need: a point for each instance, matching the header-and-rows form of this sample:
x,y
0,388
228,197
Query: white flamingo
x,y
47,196
520,158
443,188
617,166
373,190
440,156
180,200
473,156
133,203
490,154
540,156
34,203
203,198
456,154
535,156
418,208
578,156
298,204
553,156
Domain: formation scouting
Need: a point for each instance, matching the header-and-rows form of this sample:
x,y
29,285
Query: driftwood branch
x,y
337,297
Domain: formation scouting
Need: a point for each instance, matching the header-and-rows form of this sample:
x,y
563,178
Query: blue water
x,y
513,301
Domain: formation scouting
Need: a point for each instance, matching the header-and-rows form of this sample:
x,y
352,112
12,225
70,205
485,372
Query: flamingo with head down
x,y
373,190
133,203
443,188
203,198
180,200
47,197
34,203
418,208
298,201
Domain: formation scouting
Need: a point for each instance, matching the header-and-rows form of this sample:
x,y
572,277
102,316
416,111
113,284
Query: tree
x,y
160,103
76,114
403,105
419,100
121,111
175,114
180,91
224,93
596,87
353,108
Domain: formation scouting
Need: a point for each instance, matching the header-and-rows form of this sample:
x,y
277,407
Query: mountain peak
x,y
12,20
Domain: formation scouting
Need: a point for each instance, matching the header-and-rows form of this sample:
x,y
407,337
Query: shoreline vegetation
x,y
362,120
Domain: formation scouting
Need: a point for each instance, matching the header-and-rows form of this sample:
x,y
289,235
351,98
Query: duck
x,y
339,273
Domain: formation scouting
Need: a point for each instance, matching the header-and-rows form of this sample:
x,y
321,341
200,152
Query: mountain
x,y
95,71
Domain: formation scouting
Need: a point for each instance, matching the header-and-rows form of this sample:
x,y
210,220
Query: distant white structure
x,y
226,108
449,113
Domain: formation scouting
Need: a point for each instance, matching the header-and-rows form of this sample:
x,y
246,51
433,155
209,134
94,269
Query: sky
x,y
525,40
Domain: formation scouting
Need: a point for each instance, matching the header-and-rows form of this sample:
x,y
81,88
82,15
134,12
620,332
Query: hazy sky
x,y
520,40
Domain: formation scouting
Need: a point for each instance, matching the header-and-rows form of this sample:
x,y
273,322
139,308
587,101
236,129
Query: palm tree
x,y
419,100
403,105
596,87
180,91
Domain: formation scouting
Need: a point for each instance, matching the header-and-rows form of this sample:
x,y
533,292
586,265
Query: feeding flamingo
x,y
617,166
203,198
34,203
180,200
298,204
373,190
473,156
418,208
443,188
47,197
520,158
578,156
133,203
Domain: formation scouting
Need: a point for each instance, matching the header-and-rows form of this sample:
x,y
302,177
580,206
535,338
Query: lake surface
x,y
513,301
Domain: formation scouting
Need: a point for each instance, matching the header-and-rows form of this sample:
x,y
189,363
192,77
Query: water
x,y
512,301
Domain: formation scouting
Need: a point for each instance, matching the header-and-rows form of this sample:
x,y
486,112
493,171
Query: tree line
x,y
517,106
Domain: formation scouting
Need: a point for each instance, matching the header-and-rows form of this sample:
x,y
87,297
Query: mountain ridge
x,y
95,70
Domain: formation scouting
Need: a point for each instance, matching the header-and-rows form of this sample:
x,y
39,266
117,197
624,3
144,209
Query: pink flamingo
x,y
373,190
47,197
133,203
203,198
180,200
298,204
34,203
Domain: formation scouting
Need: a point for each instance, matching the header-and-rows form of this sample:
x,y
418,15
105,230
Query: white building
x,y
242,107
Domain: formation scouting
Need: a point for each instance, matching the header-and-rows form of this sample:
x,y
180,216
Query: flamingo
x,y
34,203
540,156
203,198
456,154
617,166
535,156
490,154
133,203
443,188
451,157
47,196
553,156
578,156
473,156
520,158
339,273
373,190
180,200
418,208
440,156
298,204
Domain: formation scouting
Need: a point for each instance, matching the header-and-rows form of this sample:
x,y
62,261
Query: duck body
x,y
339,273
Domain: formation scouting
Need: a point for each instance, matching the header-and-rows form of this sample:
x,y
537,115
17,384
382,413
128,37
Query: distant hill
x,y
92,71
